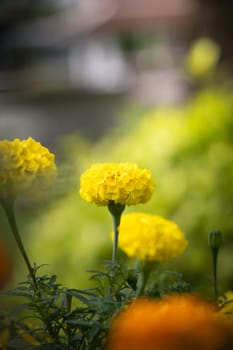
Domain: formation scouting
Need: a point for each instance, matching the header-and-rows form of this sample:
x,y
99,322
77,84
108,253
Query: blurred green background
x,y
172,113
189,151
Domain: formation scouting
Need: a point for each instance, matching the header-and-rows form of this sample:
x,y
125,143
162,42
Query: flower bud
x,y
215,239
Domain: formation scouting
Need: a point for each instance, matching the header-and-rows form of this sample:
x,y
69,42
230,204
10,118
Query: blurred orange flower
x,y
176,322
5,264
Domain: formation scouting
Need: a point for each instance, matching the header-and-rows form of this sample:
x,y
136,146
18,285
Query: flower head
x,y
24,165
150,237
123,183
177,322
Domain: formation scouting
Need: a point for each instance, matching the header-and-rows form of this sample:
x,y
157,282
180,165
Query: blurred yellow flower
x,y
150,237
226,304
122,183
24,165
176,322
203,57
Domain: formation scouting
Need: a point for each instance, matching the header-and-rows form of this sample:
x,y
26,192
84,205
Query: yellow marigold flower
x,y
177,322
150,237
123,183
24,165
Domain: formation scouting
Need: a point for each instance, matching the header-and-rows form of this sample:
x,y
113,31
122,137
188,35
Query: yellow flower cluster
x,y
177,322
150,237
123,183
24,165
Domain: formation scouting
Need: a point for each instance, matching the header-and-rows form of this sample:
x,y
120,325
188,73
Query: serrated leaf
x,y
19,294
98,273
52,279
21,288
82,323
89,292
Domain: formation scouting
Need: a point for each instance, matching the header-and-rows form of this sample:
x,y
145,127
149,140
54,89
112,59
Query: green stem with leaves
x,y
8,206
116,210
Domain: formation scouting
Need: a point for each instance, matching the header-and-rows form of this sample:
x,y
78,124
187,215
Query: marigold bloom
x,y
150,237
123,183
177,322
24,165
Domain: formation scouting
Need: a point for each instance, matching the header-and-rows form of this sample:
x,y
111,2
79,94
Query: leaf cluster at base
x,y
58,318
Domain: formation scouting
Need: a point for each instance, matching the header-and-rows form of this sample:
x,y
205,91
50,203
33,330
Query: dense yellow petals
x,y
123,183
150,237
25,165
176,322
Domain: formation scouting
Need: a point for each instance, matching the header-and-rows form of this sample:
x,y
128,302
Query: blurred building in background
x,y
68,65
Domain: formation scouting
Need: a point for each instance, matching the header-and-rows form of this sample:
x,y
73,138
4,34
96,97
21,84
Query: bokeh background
x,y
121,80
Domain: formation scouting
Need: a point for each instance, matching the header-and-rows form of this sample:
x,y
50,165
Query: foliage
x,y
64,318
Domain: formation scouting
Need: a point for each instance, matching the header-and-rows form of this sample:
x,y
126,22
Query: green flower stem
x,y
214,253
215,241
146,271
8,206
116,210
